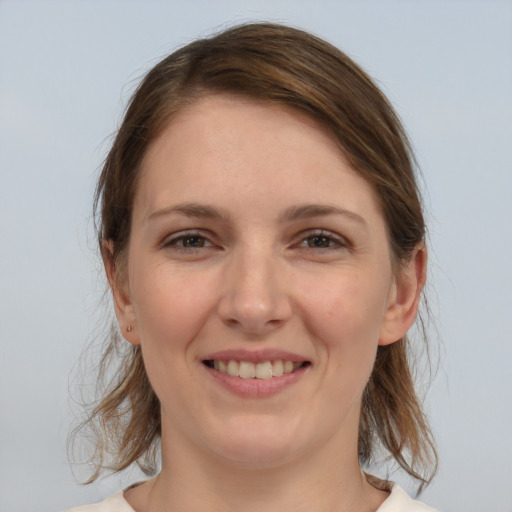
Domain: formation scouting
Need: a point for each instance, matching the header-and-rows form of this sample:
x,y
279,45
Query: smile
x,y
249,370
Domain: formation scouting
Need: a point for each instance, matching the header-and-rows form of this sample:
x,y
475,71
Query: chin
x,y
258,443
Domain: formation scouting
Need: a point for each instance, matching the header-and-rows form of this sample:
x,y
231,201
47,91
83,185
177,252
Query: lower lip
x,y
256,388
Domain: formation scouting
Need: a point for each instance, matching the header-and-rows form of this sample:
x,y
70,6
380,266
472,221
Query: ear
x,y
404,297
119,286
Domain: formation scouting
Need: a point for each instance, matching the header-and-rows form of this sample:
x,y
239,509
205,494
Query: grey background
x,y
66,70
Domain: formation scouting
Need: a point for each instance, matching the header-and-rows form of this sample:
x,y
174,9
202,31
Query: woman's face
x,y
259,284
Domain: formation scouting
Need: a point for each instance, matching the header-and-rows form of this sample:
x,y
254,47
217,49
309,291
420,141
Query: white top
x,y
398,501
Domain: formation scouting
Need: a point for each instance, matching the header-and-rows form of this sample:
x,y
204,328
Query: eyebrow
x,y
201,211
293,213
307,211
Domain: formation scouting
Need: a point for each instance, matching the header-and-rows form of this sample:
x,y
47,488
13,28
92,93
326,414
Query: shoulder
x,y
400,501
114,503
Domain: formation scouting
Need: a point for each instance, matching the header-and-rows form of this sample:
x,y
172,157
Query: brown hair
x,y
271,63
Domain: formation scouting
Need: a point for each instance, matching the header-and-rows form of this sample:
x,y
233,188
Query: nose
x,y
255,298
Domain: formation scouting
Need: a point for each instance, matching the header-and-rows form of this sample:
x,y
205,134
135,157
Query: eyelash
x,y
338,242
174,241
334,242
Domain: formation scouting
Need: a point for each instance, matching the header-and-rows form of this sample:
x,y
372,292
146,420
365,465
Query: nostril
x,y
231,322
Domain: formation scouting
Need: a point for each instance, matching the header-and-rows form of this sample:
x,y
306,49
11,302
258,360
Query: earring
x,y
129,328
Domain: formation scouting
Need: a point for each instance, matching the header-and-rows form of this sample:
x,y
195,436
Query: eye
x,y
319,241
191,241
187,241
322,240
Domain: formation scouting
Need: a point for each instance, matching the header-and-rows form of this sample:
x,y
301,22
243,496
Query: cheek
x,y
170,313
348,310
346,319
170,308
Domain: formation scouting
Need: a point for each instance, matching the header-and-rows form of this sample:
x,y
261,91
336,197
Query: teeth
x,y
264,370
232,369
248,370
277,368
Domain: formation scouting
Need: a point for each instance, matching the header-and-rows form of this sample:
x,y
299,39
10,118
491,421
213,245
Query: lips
x,y
263,370
257,374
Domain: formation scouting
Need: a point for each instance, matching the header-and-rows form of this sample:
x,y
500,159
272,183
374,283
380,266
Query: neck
x,y
191,481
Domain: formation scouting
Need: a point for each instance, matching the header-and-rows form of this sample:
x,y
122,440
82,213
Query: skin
x,y
320,285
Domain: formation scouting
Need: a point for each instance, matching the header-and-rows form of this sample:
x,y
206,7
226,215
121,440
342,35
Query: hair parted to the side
x,y
270,63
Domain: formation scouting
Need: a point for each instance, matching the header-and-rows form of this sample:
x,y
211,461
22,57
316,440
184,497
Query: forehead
x,y
224,147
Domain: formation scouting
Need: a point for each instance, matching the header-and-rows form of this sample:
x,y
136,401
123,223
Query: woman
x,y
263,238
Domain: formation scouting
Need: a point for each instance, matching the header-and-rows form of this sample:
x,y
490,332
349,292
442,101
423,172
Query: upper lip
x,y
254,356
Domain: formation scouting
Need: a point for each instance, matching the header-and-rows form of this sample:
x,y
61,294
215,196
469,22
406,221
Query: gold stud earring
x,y
129,328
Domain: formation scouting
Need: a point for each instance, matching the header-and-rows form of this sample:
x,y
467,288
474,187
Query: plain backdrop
x,y
66,71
